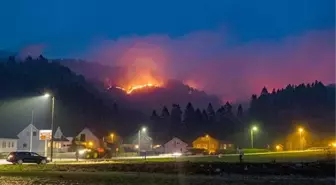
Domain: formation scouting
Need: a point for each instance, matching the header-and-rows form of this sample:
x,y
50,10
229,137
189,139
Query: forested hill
x,y
78,103
310,105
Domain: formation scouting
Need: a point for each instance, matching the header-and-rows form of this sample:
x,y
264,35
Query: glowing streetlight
x,y
143,129
253,129
300,131
208,138
277,147
112,136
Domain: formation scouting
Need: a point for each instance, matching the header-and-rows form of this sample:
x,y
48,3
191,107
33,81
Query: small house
x,y
175,145
206,142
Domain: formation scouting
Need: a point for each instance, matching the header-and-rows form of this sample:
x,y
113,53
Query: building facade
x,y
175,145
28,140
206,142
87,138
8,145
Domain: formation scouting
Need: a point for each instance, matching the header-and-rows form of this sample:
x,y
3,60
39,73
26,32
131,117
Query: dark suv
x,y
26,157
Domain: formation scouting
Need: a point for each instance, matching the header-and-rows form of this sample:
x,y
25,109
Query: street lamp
x,y
47,95
143,129
300,132
112,135
207,136
253,129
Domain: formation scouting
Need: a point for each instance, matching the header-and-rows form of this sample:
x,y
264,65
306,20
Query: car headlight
x,y
81,152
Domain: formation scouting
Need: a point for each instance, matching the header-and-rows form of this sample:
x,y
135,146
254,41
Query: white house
x,y
88,138
29,140
8,145
175,145
60,141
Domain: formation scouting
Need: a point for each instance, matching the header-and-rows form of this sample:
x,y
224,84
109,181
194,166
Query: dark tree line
x,y
311,105
192,122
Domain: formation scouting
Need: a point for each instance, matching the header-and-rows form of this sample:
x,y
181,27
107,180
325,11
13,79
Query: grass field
x,y
161,171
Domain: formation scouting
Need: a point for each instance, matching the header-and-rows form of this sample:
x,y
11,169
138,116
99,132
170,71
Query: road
x,y
165,156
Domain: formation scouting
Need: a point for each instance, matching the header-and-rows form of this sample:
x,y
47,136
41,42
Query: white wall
x,y
175,145
23,143
89,137
8,145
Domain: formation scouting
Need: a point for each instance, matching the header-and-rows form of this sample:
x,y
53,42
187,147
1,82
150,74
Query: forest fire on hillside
x,y
132,87
137,87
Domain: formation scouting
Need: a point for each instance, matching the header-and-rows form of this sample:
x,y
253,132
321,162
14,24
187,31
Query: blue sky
x,y
67,27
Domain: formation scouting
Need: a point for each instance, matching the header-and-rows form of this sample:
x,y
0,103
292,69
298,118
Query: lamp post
x,y
254,128
52,124
207,136
112,136
300,132
143,129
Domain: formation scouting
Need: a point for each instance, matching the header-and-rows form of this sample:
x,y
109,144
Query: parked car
x,y
26,157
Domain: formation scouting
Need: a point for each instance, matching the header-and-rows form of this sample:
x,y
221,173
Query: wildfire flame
x,y
136,87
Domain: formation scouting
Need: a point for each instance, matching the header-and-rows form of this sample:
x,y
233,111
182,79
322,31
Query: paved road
x,y
3,161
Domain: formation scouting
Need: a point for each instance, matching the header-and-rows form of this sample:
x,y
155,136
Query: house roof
x,y
176,138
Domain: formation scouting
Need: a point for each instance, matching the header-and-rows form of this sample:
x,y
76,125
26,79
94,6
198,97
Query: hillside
x,y
173,91
78,103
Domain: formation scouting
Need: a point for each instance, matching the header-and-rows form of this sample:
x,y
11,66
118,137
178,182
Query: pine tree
x,y
240,111
165,113
211,113
189,114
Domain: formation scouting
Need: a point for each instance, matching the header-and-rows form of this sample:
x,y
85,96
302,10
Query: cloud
x,y
233,72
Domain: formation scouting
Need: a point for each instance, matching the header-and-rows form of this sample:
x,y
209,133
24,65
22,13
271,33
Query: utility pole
x,y
52,128
31,132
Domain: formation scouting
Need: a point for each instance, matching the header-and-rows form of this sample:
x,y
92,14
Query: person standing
x,y
241,154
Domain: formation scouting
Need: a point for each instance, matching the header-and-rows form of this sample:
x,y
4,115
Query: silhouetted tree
x,y
29,58
165,113
11,59
211,113
189,115
228,108
154,116
240,111
204,116
264,91
176,114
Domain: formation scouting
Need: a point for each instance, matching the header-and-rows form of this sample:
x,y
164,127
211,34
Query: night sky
x,y
230,48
